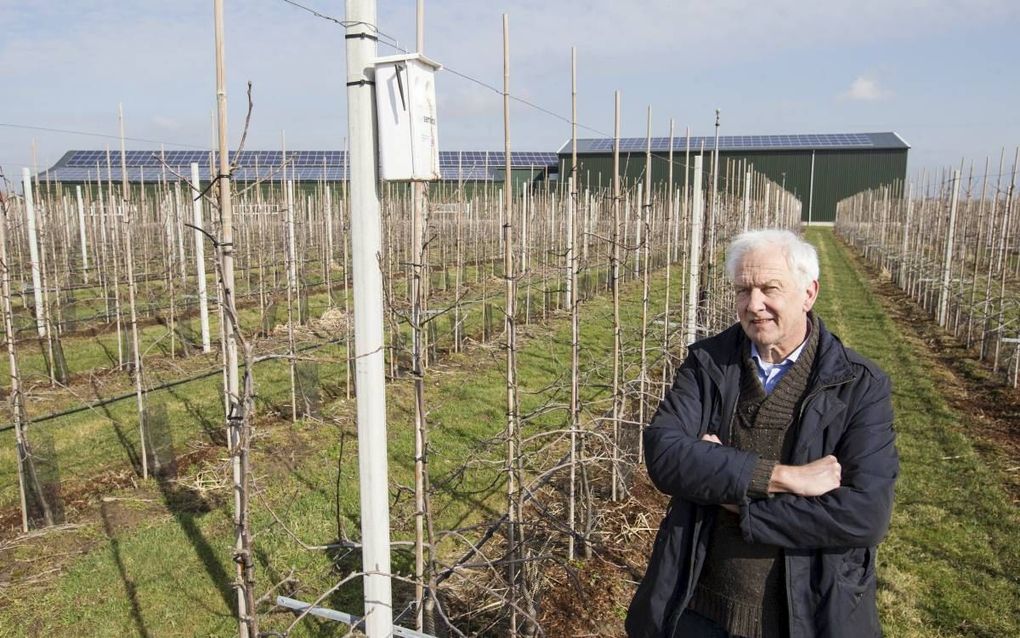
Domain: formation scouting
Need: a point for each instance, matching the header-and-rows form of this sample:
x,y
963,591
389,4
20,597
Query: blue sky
x,y
942,74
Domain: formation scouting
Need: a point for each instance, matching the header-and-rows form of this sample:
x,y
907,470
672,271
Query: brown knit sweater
x,y
742,584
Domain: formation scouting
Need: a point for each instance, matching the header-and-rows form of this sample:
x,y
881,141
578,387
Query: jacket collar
x,y
720,356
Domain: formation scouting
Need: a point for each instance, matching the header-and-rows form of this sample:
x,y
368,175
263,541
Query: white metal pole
x,y
81,233
420,26
902,275
369,344
943,308
203,295
329,240
33,252
694,272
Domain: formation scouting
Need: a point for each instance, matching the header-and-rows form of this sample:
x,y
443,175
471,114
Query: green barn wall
x,y
838,174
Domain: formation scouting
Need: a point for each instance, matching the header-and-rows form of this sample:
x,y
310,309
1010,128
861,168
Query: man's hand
x,y
814,479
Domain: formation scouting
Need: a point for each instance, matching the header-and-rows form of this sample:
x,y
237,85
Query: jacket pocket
x,y
857,569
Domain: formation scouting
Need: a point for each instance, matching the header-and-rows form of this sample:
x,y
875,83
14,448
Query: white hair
x,y
800,255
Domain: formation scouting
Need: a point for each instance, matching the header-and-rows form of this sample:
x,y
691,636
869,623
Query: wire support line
x,y
658,155
344,23
395,44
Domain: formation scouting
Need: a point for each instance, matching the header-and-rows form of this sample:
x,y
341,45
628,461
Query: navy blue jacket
x,y
828,541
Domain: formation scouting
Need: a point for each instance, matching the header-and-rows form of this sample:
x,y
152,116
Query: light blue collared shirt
x,y
770,373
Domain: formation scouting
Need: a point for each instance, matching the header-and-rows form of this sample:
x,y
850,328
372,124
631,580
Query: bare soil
x,y
591,597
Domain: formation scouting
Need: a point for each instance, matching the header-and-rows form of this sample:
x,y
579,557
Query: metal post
x,y
33,252
81,233
369,344
947,260
197,222
811,191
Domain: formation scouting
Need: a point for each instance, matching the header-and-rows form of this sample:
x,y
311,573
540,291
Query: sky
x,y
941,74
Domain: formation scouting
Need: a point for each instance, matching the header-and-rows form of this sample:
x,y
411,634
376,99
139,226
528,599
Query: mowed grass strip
x,y
951,562
159,568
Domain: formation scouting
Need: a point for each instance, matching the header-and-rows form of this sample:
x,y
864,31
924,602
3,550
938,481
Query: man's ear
x,y
812,295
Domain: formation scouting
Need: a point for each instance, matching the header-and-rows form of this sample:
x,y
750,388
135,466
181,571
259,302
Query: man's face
x,y
771,305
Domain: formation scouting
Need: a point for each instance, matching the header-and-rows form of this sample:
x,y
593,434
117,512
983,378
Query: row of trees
x,y
949,241
568,246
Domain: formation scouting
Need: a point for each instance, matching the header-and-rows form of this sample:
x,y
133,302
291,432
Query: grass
x,y
949,566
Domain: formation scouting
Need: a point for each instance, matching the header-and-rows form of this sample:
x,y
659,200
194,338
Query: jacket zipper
x,y
786,557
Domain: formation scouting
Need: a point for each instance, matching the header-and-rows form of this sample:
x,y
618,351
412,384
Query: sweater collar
x,y
721,355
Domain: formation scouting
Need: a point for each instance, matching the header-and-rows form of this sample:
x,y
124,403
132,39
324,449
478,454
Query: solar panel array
x,y
150,166
734,143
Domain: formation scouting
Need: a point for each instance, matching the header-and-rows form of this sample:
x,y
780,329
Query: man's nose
x,y
756,300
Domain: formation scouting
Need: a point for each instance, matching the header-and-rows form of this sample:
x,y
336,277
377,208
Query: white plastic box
x,y
405,98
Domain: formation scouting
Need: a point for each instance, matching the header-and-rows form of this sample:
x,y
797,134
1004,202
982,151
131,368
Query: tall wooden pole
x,y
136,347
572,300
643,223
17,407
714,211
671,220
236,417
615,278
694,271
510,328
418,317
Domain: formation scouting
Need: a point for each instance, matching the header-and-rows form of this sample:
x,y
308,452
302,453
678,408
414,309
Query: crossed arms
x,y
843,499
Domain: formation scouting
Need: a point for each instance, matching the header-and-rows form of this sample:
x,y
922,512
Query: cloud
x,y
864,89
166,122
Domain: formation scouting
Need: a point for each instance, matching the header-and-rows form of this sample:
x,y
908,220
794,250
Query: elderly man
x,y
776,445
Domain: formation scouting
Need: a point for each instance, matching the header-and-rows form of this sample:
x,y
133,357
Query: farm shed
x,y
820,169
